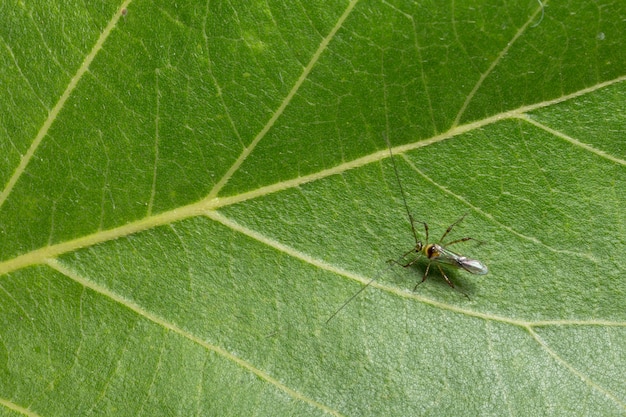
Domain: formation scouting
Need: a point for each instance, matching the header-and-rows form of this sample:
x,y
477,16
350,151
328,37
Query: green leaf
x,y
192,189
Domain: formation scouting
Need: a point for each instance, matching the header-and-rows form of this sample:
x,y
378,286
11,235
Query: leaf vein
x,y
572,140
575,371
495,63
208,204
52,115
12,406
270,123
142,312
477,209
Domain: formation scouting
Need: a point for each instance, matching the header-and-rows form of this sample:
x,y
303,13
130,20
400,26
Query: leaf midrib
x,y
210,204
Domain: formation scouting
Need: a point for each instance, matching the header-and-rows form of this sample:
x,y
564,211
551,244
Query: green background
x,y
190,190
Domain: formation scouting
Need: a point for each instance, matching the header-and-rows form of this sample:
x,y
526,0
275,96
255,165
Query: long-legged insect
x,y
436,253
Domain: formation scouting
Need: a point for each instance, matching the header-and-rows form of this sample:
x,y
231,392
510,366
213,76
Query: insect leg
x,y
450,282
424,277
426,231
445,277
465,239
450,228
397,261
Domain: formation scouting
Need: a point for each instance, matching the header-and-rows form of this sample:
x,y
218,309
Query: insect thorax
x,y
432,251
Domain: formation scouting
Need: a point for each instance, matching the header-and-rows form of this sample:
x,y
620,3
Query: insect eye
x,y
432,251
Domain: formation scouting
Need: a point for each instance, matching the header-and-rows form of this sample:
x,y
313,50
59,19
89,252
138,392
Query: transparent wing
x,y
446,256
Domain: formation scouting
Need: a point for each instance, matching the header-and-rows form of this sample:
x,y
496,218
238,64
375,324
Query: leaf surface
x,y
192,189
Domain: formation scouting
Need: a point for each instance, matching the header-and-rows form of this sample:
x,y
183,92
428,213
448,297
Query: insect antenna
x,y
390,263
406,205
349,299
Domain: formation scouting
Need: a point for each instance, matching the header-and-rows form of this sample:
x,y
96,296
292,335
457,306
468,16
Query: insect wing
x,y
446,256
473,266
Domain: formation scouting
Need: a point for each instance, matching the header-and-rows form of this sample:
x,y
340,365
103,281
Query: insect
x,y
439,254
436,253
